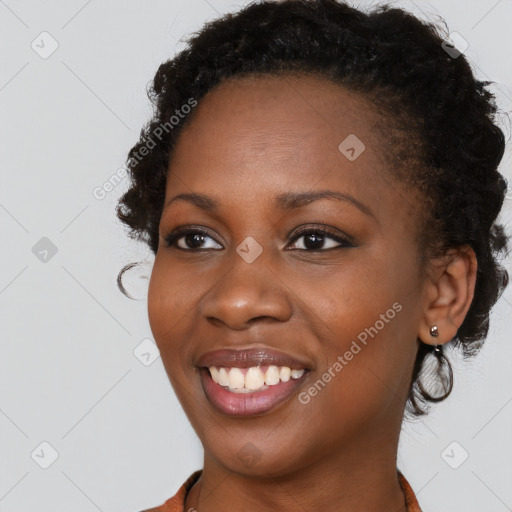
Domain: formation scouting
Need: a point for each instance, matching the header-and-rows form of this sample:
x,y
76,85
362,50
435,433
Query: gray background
x,y
71,370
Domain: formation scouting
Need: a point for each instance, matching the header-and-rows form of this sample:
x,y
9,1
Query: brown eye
x,y
193,239
315,239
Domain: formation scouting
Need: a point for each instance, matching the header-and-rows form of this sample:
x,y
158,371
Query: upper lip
x,y
246,358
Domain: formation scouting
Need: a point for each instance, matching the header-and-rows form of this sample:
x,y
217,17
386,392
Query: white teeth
x,y
284,373
272,375
236,378
222,378
254,379
244,390
215,373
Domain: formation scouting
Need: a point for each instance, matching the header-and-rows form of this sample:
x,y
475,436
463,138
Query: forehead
x,y
292,123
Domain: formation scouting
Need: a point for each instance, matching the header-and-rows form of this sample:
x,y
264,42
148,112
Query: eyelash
x,y
172,238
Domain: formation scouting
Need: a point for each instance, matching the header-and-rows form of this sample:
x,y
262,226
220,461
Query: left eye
x,y
314,240
190,237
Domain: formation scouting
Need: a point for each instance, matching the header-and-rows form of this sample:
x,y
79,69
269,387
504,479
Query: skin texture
x,y
250,140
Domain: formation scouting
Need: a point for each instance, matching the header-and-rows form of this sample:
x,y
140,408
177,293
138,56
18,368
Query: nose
x,y
247,293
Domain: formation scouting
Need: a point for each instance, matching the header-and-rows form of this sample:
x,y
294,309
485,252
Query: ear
x,y
449,292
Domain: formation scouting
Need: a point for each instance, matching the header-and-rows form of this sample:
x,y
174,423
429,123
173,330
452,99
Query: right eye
x,y
192,240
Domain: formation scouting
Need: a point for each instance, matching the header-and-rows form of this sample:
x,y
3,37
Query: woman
x,y
320,188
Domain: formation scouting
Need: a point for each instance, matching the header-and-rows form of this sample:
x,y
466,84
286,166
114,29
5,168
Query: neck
x,y
360,477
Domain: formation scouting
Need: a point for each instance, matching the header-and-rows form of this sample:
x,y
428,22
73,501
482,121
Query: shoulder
x,y
177,502
410,498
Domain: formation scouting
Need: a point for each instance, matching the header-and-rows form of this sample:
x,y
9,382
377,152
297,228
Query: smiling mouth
x,y
250,381
253,379
232,398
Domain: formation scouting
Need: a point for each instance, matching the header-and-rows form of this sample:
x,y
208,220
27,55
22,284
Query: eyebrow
x,y
285,201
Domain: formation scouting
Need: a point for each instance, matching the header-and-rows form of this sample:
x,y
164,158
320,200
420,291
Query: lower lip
x,y
248,404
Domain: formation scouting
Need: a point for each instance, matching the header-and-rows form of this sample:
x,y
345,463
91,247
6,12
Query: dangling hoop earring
x,y
440,388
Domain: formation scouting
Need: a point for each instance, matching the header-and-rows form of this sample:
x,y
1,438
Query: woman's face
x,y
345,305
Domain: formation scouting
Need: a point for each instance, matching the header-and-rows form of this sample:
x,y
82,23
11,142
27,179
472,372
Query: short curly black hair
x,y
439,118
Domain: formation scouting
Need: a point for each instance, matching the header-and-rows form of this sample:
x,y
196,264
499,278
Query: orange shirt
x,y
177,502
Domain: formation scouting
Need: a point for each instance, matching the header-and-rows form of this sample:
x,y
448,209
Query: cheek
x,y
168,304
168,318
370,342
366,349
